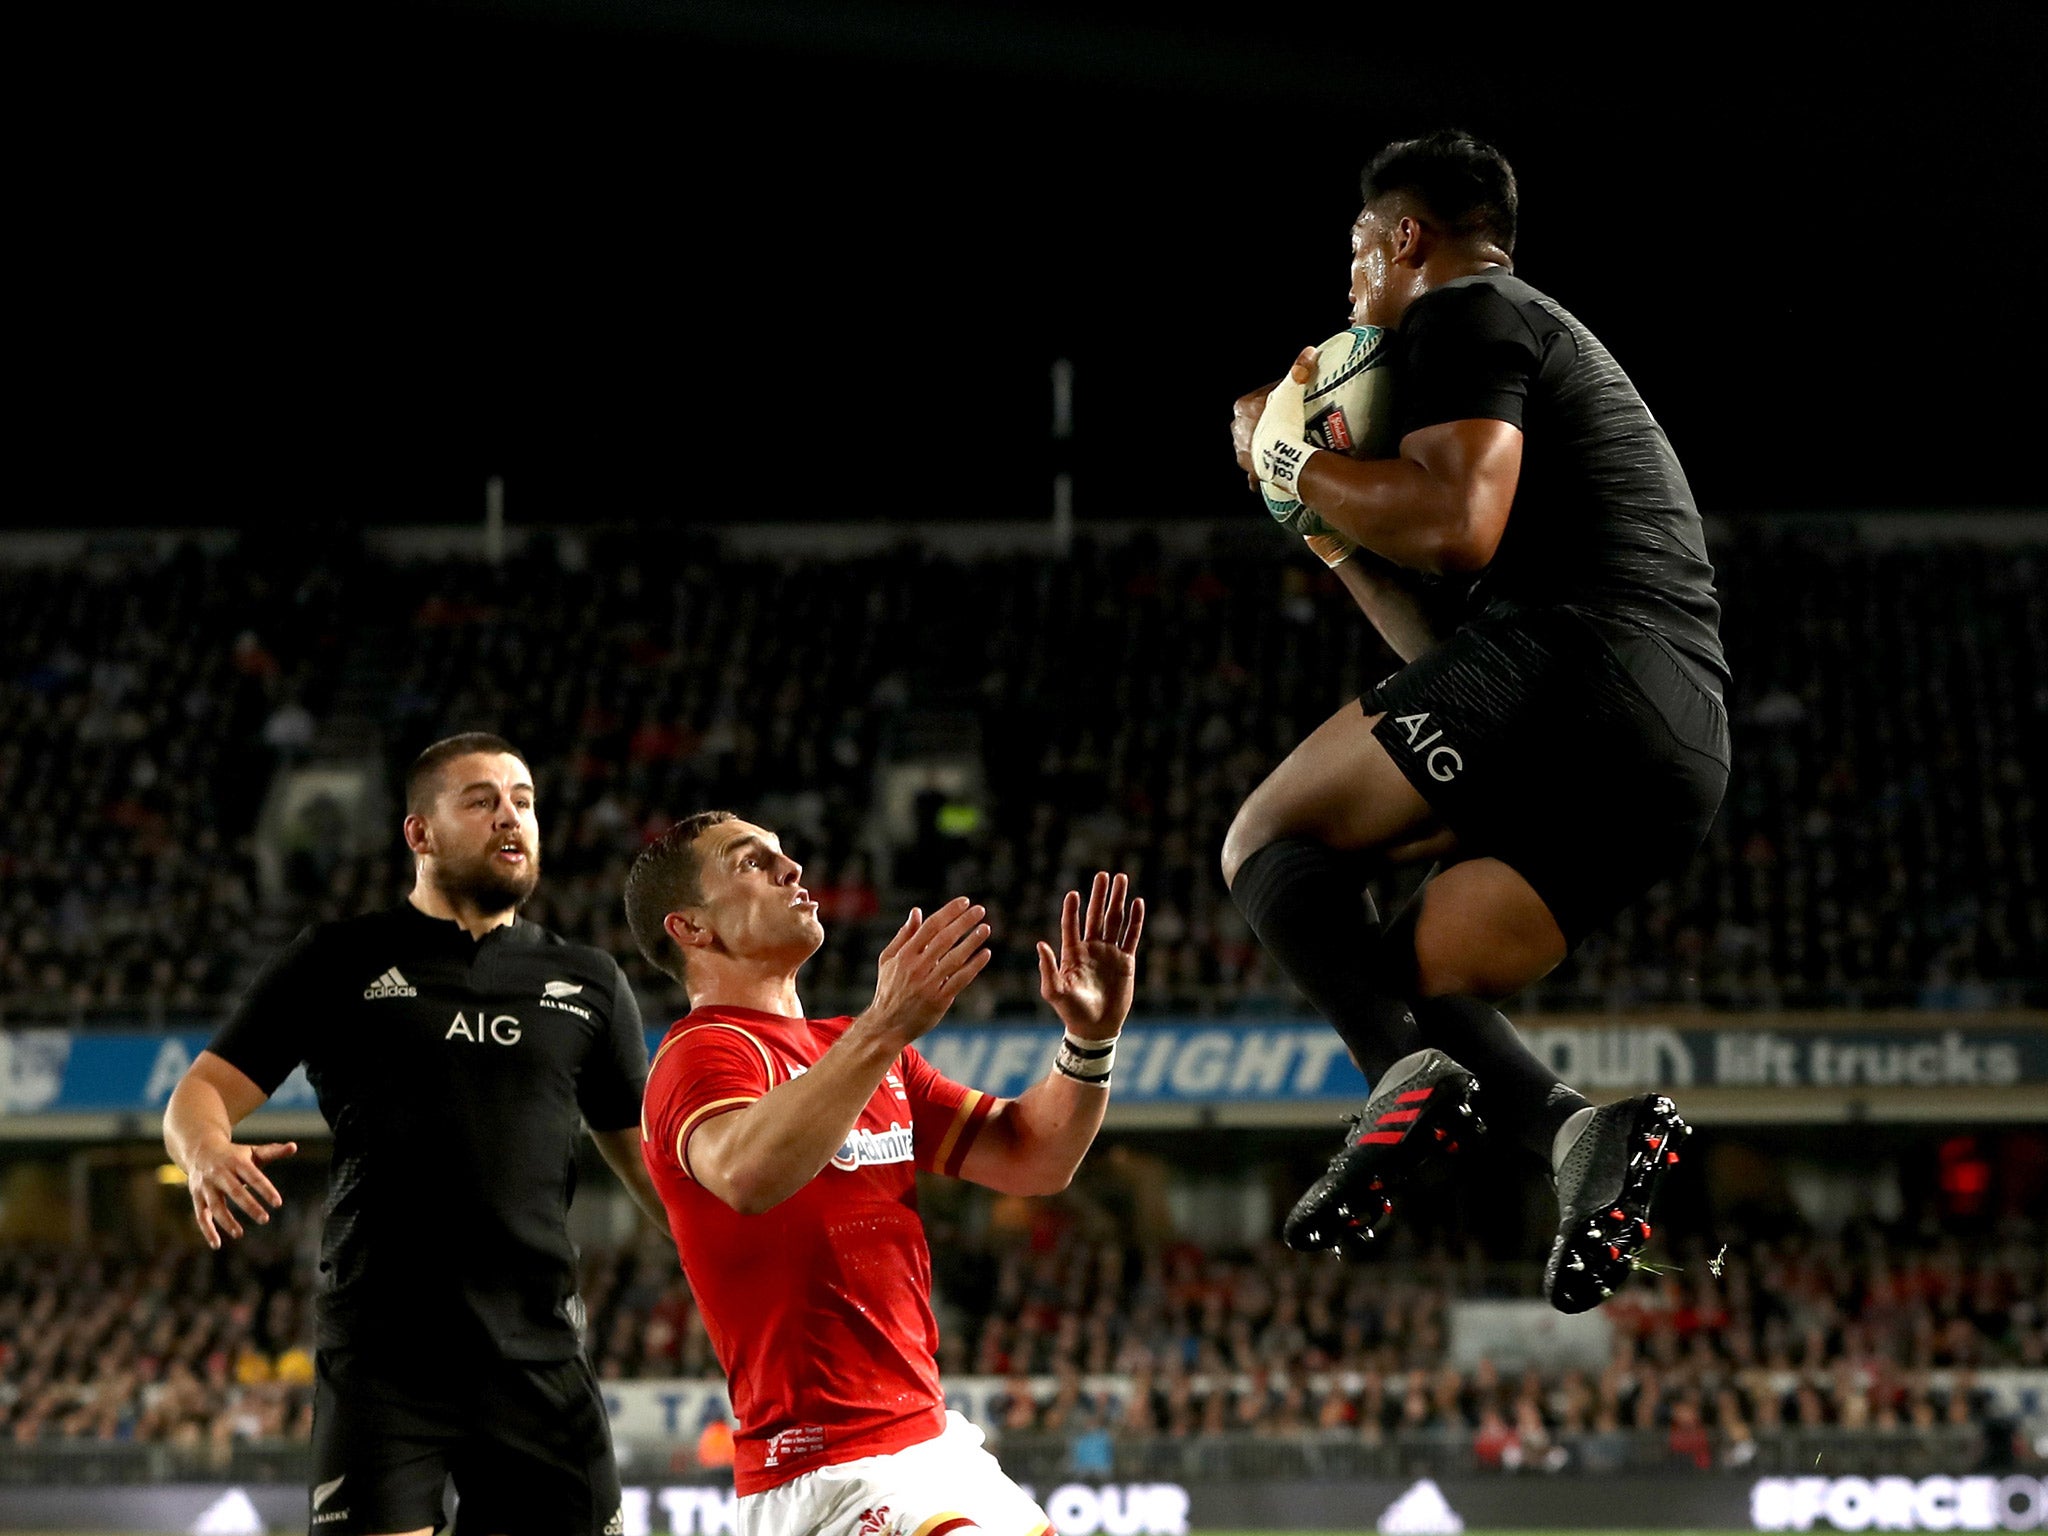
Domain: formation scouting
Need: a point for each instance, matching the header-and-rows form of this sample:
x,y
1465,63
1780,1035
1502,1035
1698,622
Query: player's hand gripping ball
x,y
1344,406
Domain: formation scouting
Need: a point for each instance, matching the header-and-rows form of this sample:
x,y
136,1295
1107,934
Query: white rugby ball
x,y
1350,411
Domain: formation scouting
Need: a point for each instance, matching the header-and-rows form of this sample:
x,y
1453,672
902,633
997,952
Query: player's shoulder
x,y
343,937
1493,300
585,959
829,1030
717,1026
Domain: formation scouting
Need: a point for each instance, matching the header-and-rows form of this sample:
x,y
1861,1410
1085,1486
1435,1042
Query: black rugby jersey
x,y
453,1072
1603,519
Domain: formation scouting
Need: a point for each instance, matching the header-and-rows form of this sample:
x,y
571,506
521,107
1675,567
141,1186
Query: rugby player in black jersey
x,y
1561,749
455,1050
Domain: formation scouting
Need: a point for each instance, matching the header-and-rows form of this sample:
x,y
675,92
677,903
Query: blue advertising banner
x,y
58,1071
1189,1063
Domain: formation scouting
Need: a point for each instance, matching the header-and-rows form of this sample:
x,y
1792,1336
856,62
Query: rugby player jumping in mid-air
x,y
784,1150
1562,750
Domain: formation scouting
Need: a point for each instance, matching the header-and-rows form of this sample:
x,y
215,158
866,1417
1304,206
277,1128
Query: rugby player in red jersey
x,y
785,1149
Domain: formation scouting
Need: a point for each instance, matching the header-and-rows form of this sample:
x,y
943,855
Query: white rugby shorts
x,y
945,1486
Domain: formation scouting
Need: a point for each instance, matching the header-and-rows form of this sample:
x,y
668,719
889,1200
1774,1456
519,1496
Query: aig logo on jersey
x,y
502,1030
1442,762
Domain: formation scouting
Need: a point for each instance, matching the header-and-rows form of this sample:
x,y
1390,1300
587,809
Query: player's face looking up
x,y
1387,250
479,838
755,906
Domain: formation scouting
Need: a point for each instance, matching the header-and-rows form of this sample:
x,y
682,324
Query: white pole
x,y
494,520
1062,480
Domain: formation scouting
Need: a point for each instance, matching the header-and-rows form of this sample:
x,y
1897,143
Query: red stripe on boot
x,y
1381,1136
1397,1117
1413,1095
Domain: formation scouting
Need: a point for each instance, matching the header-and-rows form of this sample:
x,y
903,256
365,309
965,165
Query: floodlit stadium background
x,y
819,410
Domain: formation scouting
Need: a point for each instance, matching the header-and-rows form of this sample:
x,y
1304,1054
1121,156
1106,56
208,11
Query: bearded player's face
x,y
484,837
755,903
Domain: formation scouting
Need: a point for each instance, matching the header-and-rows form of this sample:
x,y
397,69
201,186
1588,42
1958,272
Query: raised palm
x,y
1091,980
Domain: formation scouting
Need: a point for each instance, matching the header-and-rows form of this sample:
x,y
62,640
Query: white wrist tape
x,y
1086,1061
1280,445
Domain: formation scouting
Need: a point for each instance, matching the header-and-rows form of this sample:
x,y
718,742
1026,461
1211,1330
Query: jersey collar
x,y
449,934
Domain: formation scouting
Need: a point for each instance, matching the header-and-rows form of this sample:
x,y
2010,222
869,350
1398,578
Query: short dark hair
x,y
667,876
423,778
1464,183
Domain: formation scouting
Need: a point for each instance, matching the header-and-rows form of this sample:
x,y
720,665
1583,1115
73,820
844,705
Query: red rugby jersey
x,y
819,1309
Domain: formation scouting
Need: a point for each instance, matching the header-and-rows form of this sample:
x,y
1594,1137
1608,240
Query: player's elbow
x,y
747,1198
1464,545
1044,1179
1459,557
749,1191
1469,535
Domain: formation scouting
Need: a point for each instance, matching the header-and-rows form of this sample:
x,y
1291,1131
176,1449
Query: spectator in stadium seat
x,y
1688,1440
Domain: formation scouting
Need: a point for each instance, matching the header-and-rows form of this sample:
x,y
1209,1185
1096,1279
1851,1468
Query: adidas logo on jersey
x,y
390,984
1421,1511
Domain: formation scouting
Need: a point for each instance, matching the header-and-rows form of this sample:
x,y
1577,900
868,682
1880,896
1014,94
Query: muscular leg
x,y
1482,932
1297,858
1340,788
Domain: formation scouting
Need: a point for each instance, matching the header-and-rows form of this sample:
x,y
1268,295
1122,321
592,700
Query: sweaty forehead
x,y
731,834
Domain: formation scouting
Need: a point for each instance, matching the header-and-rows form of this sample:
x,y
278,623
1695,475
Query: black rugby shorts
x,y
1578,751
526,1442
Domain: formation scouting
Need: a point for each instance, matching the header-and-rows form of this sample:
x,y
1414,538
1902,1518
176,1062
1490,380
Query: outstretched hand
x,y
1091,980
928,964
230,1175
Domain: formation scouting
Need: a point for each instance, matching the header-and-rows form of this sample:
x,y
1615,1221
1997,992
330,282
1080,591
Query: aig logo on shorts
x,y
1443,763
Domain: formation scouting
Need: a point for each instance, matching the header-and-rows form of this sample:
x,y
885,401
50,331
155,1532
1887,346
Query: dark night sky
x,y
771,260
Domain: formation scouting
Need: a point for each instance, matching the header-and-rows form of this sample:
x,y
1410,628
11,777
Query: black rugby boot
x,y
1604,1187
1421,1109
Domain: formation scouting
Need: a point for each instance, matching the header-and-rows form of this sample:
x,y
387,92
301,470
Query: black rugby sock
x,y
1308,904
1519,1096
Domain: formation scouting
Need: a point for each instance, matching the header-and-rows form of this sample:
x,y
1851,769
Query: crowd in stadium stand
x,y
181,1347
205,1350
1880,845
144,706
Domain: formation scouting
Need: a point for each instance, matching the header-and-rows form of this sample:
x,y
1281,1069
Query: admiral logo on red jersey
x,y
898,1144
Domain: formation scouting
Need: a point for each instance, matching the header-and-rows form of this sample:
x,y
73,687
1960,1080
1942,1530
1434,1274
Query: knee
x,y
1250,830
1457,955
1446,968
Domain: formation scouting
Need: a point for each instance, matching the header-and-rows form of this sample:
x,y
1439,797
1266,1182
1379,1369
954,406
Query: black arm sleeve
x,y
614,1075
1467,355
265,1037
